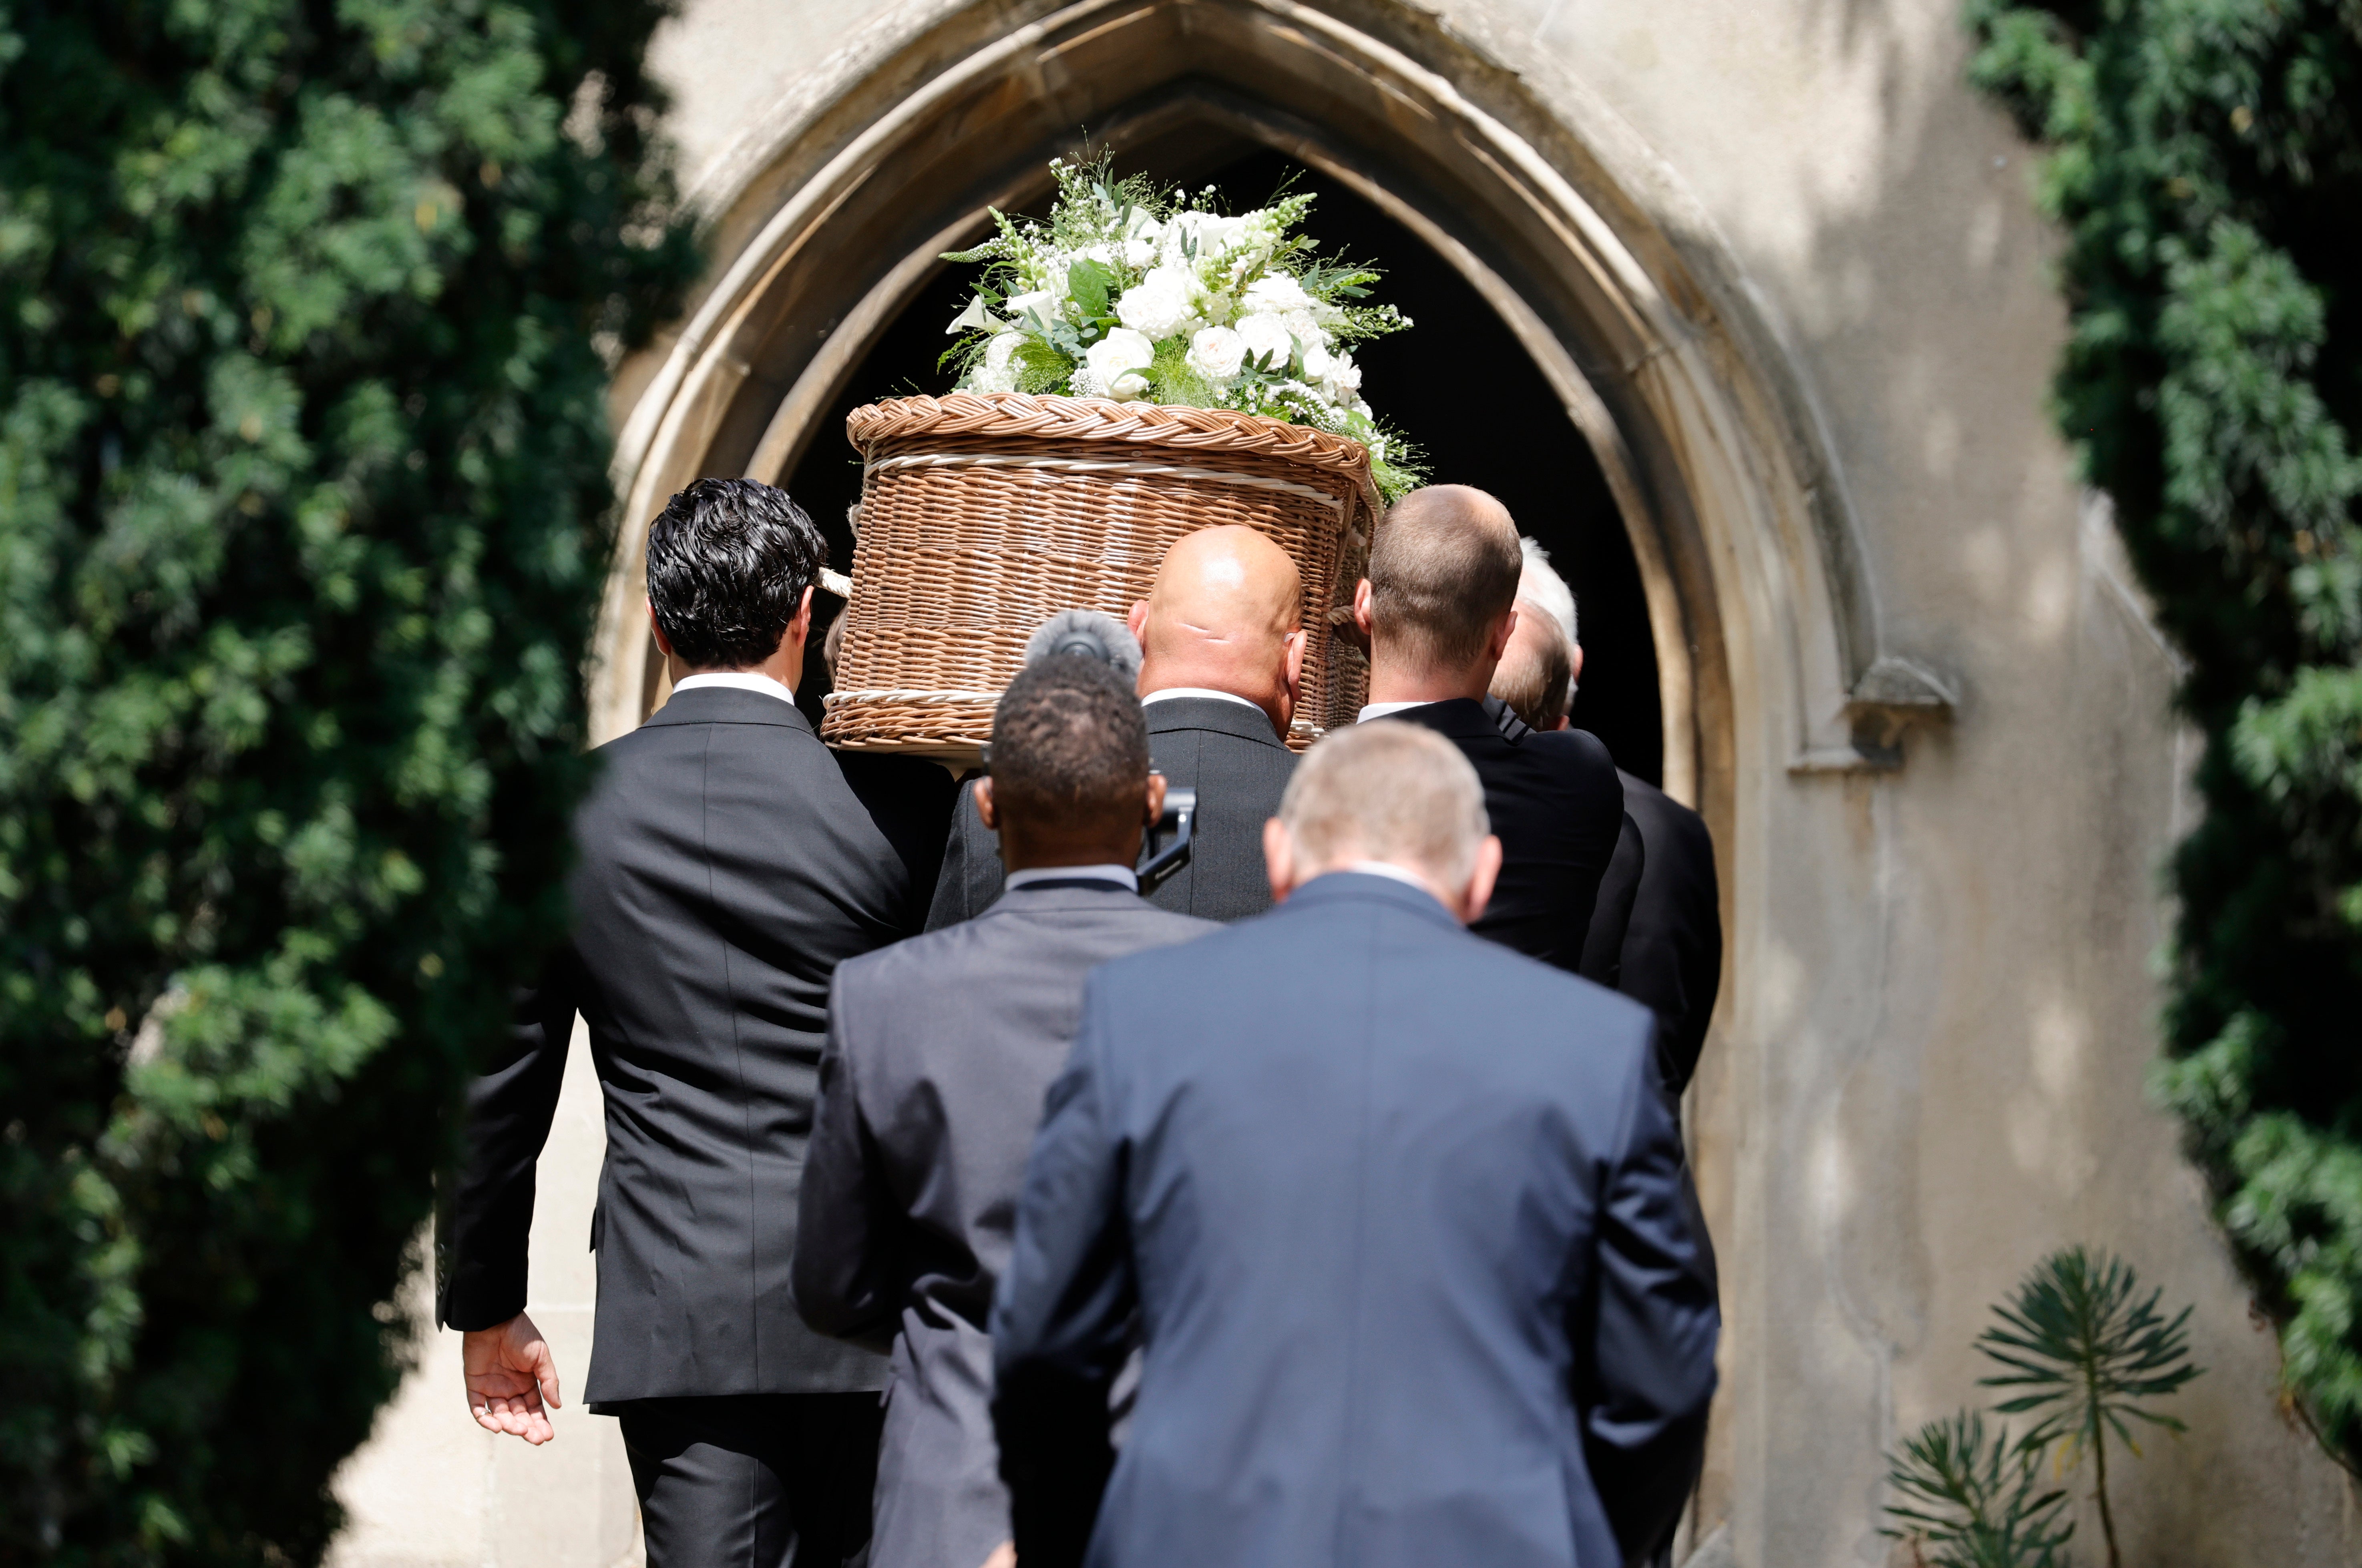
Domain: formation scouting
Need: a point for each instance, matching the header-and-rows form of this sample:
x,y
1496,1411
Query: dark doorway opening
x,y
1458,383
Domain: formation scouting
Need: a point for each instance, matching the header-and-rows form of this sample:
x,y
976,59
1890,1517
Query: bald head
x,y
1226,614
1438,603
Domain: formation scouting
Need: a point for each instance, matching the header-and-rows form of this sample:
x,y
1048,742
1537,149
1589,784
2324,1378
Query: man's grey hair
x,y
1387,791
1540,586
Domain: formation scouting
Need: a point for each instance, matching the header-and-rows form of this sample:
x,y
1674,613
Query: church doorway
x,y
1458,383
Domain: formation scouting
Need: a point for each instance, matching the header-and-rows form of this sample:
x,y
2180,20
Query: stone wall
x,y
1927,1068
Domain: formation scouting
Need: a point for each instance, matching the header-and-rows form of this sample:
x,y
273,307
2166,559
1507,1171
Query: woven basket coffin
x,y
983,514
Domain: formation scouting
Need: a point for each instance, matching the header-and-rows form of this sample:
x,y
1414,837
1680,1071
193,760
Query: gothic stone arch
x,y
827,217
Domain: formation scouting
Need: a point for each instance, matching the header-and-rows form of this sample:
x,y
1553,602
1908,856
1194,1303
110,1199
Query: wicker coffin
x,y
982,515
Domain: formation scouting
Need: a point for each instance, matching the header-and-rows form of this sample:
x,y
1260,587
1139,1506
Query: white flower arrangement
x,y
1132,292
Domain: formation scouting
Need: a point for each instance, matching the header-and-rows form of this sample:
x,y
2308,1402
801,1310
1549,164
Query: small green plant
x,y
1973,1501
2089,1350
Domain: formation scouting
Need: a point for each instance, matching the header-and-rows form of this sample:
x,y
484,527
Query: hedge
x,y
2204,159
307,317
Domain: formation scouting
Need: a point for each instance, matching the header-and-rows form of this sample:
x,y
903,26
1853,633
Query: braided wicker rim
x,y
991,416
951,514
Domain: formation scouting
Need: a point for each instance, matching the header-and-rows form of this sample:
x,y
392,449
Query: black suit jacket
x,y
1672,942
1408,1249
726,870
1225,751
1555,804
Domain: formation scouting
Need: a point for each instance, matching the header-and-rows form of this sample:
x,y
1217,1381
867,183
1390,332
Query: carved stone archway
x,y
1766,624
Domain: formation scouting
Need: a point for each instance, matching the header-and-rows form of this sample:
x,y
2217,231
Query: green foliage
x,y
302,478
2206,165
2090,1350
1975,1502
2089,1355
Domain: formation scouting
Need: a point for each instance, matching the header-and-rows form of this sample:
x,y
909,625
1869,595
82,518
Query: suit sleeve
x,y
972,875
1061,1320
487,1224
1611,912
846,1274
1645,1345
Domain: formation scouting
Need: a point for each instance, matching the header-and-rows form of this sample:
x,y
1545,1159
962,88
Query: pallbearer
x,y
939,1051
726,870
1221,634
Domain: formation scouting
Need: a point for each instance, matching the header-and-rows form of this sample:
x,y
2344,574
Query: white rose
x,y
1277,293
1215,352
1316,362
1139,252
1161,304
1117,360
1266,340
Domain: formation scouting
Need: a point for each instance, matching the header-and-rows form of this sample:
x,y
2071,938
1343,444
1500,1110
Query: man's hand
x,y
511,1376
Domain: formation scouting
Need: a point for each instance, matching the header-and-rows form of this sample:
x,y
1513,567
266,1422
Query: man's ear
x,y
1292,669
799,624
656,629
1135,618
1156,782
1278,860
983,808
1574,666
1503,630
1480,880
1362,610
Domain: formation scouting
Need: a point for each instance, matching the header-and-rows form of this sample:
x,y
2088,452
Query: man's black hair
x,y
728,561
1070,743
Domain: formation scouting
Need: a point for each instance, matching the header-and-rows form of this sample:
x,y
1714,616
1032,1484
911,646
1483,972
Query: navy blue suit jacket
x,y
1398,1216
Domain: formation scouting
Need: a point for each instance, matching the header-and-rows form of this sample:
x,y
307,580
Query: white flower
x,y
998,371
1209,234
1276,293
1266,340
975,318
1042,300
1161,304
1143,238
1341,379
1215,352
1316,361
1117,360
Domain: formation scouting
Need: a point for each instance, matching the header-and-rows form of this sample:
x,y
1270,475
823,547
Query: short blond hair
x,y
1386,791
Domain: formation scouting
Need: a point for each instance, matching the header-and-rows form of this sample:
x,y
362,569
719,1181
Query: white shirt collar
x,y
742,679
1122,873
1391,872
1197,692
1379,710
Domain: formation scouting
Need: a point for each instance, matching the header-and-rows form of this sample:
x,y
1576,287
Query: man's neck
x,y
1019,854
782,667
1391,683
1155,675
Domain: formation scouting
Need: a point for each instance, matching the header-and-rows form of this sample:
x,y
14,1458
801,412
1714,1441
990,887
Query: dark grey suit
x,y
1228,753
726,870
939,1051
1399,1212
